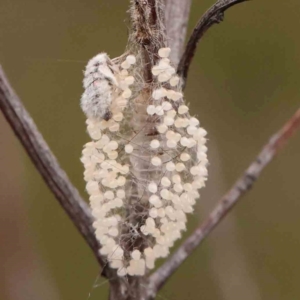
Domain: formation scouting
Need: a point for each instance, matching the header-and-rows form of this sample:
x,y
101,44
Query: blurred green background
x,y
244,84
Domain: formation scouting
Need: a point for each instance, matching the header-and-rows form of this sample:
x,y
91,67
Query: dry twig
x,y
213,16
176,18
46,163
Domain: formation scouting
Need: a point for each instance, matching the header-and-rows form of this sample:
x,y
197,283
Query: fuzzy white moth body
x,y
99,84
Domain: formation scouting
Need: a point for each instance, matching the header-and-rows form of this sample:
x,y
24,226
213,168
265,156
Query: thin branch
x,y
213,16
46,163
176,21
243,185
147,32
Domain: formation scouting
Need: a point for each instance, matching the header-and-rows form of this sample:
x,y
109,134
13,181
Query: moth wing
x,y
106,71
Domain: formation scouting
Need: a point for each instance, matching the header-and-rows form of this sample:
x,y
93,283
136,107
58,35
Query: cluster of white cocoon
x,y
108,169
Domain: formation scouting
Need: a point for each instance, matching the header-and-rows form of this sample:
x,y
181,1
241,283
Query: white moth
x,y
99,83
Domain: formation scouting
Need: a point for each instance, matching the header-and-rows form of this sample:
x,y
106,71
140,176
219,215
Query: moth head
x,y
100,59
